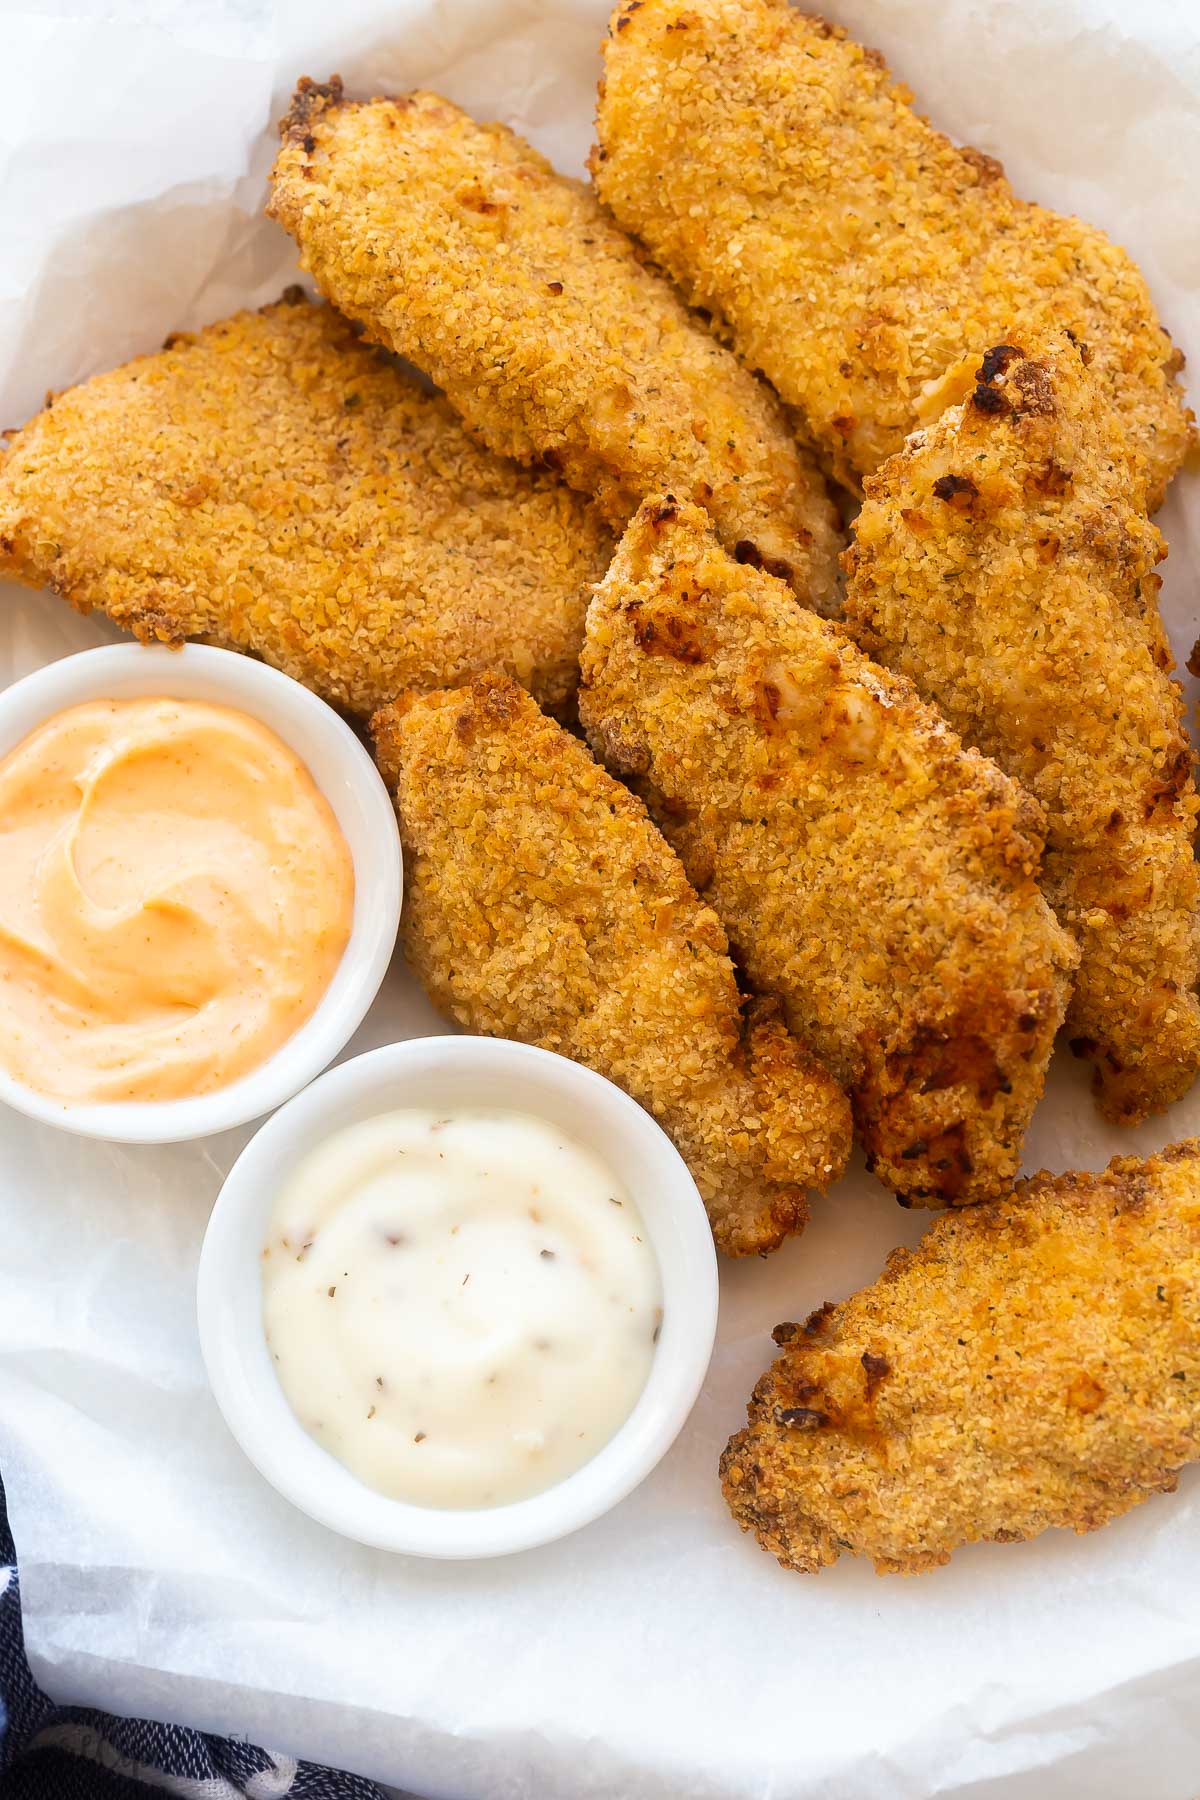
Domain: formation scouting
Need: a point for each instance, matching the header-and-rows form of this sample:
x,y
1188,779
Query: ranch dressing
x,y
462,1307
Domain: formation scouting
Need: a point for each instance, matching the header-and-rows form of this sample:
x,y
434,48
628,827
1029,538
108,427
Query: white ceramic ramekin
x,y
445,1073
350,782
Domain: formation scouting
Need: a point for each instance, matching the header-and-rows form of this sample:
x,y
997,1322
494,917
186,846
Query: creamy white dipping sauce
x,y
462,1309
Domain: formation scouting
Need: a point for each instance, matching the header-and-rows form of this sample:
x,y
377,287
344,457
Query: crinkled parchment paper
x,y
657,1653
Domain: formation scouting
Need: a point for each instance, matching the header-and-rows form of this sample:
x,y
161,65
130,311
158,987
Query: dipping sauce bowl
x,y
446,1074
343,773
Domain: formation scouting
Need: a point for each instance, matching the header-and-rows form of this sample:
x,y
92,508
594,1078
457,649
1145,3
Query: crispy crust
x,y
1003,563
543,905
1032,1363
778,173
272,485
866,867
457,245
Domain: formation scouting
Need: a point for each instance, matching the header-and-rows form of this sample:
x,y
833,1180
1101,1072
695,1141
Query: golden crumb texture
x,y
542,904
867,868
1003,561
1032,1363
775,169
458,246
272,485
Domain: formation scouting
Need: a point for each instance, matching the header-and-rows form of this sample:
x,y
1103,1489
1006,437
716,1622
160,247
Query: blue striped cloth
x,y
50,1752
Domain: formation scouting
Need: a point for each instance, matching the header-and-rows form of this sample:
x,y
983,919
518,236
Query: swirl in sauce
x,y
175,896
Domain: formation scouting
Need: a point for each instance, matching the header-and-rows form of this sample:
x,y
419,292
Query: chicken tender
x,y
1002,562
457,245
778,173
543,905
271,485
1032,1363
877,876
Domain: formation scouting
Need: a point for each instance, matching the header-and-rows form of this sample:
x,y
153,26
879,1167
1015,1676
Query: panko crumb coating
x,y
773,167
867,868
270,484
1032,1363
458,246
1004,563
541,904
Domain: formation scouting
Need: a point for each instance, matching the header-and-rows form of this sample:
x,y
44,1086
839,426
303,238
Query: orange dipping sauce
x,y
175,896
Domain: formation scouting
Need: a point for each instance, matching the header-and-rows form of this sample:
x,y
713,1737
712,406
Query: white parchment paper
x,y
658,1653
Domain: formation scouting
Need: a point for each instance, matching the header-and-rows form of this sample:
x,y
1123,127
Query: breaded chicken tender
x,y
543,905
1032,1363
778,173
1004,564
272,485
877,876
457,245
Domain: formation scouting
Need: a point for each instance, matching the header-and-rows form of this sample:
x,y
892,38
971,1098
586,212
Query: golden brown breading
x,y
1003,563
271,485
774,168
543,905
1032,1363
457,245
877,876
